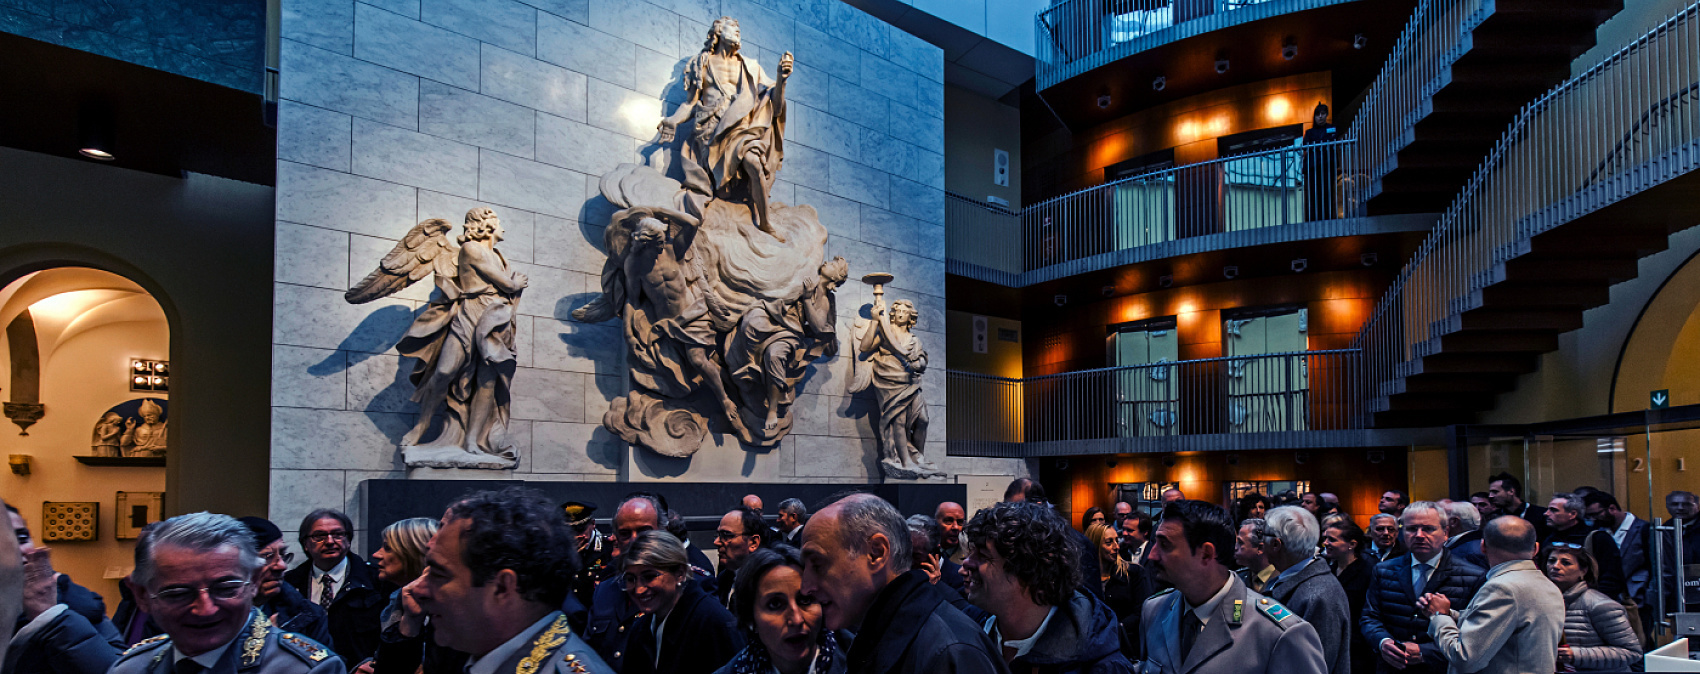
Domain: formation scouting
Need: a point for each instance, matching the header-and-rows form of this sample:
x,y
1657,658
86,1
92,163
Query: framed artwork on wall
x,y
70,521
137,509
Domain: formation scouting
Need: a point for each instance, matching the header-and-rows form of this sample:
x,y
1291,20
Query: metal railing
x,y
981,233
1627,124
1075,36
1266,393
1251,191
1431,41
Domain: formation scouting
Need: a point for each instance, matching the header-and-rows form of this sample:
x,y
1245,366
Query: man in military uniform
x,y
494,580
1210,622
195,576
595,551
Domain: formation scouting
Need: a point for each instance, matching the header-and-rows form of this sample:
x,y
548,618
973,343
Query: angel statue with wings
x,y
463,340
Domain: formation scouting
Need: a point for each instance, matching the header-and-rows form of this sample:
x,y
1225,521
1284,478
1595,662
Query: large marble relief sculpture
x,y
724,295
889,358
463,341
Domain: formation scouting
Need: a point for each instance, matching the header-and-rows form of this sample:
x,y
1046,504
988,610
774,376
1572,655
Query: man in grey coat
x,y
1514,622
1306,584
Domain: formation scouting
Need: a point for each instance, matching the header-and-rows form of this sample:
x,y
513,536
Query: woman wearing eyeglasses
x,y
683,629
783,626
1597,635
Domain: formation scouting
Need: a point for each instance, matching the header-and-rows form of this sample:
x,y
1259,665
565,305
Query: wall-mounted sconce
x,y
20,463
150,375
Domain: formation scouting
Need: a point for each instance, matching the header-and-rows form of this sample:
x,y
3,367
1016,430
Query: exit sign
x,y
1659,400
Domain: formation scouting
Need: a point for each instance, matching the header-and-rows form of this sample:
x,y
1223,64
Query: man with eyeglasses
x,y
195,576
279,601
740,533
342,583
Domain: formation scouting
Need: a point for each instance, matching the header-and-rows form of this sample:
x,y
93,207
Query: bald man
x,y
951,517
1514,622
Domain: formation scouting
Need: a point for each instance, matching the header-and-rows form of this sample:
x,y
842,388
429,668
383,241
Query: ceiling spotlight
x,y
1165,281
1299,264
1160,83
1104,99
94,132
1231,271
1289,49
1359,41
1369,259
1060,300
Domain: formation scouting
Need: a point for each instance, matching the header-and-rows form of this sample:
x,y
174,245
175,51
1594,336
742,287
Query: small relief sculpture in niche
x,y
108,435
148,437
463,340
724,296
889,358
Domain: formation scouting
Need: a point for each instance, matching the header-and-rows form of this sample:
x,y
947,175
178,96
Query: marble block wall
x,y
394,111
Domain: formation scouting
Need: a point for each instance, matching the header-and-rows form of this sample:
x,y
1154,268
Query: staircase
x,y
1460,73
1590,178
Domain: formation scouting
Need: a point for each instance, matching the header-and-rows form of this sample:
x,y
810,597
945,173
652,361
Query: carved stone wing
x,y
426,249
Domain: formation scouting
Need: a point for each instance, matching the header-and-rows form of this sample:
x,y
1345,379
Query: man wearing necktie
x,y
342,583
1391,622
195,576
1210,622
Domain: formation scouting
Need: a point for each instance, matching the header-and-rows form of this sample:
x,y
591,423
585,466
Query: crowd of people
x,y
507,582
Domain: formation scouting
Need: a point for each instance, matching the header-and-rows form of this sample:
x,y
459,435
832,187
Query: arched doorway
x,y
85,370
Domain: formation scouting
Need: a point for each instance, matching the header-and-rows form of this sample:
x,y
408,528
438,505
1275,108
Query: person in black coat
x,y
856,559
683,629
1391,623
782,626
1126,586
356,598
1341,543
52,637
280,601
1567,530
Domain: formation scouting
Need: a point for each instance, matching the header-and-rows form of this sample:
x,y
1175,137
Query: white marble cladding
x,y
398,110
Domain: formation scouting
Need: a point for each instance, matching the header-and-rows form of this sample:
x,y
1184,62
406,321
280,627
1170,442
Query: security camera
x,y
1359,41
1299,264
1369,259
1221,66
1165,281
1104,100
1160,83
1289,50
1231,271
1060,300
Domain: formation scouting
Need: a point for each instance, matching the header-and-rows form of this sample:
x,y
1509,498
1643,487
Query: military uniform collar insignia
x,y
545,646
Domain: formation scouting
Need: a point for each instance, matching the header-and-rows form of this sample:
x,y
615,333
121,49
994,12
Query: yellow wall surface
x,y
1002,359
81,377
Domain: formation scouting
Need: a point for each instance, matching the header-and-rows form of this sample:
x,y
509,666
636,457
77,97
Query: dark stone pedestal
x,y
702,503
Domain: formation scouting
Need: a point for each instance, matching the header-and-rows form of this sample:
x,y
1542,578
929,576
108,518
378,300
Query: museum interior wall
x,y
394,113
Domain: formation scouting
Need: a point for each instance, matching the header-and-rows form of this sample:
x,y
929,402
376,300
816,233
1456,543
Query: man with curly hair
x,y
495,576
1023,567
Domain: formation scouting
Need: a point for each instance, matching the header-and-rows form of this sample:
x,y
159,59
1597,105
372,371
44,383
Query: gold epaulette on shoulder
x,y
145,644
308,648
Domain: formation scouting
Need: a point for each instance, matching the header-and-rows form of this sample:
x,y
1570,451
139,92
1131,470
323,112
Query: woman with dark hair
x,y
1250,507
1597,635
1094,515
1342,545
683,629
783,626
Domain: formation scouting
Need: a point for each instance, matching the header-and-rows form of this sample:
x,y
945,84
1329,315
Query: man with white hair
x,y
1306,584
1391,623
1464,523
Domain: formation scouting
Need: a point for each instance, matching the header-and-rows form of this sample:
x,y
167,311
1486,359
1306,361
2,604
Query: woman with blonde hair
x,y
1125,585
684,630
407,645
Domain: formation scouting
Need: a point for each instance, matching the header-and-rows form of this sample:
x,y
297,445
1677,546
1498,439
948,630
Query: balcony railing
x,y
1313,182
1075,36
1628,124
1143,407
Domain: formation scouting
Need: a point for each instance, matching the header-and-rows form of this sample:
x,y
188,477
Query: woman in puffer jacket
x,y
1597,635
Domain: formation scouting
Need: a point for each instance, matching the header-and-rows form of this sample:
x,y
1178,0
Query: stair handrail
x,y
1536,178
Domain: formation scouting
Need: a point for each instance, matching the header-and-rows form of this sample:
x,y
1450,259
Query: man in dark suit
x,y
1384,540
740,533
1632,536
1506,494
792,516
1464,523
340,582
1390,621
